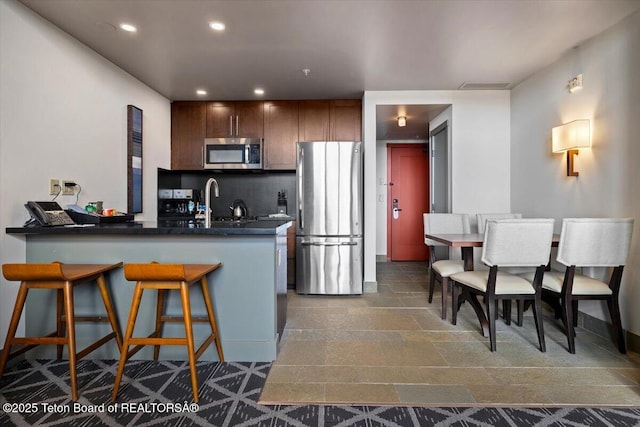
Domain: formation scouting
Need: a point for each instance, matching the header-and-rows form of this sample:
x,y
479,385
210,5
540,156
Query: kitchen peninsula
x,y
248,291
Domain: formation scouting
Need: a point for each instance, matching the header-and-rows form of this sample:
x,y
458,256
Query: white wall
x,y
609,173
63,114
480,130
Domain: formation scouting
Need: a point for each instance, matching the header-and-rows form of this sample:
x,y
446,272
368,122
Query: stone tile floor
x,y
392,348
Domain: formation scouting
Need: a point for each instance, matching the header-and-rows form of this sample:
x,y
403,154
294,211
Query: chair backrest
x,y
483,217
517,242
445,223
595,242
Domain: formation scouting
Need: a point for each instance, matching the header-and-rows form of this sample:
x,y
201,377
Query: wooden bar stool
x,y
63,278
164,277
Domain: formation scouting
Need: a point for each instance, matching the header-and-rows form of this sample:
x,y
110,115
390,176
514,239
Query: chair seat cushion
x,y
447,267
505,283
582,285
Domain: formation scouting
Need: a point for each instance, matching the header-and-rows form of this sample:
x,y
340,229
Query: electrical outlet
x,y
66,190
54,187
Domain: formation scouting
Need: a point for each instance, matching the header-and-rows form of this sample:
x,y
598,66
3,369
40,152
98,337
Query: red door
x,y
408,178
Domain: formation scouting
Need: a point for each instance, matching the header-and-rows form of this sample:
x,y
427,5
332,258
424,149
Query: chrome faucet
x,y
207,200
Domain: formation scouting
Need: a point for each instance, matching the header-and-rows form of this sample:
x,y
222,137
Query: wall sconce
x,y
402,121
570,137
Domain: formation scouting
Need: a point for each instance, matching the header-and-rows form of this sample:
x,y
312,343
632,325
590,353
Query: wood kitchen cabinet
x,y
280,134
346,120
242,119
187,134
314,120
331,120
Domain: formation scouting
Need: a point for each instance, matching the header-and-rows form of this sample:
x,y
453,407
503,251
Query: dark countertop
x,y
178,227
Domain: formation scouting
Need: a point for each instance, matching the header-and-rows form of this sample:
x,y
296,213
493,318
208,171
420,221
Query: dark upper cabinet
x,y
280,134
280,123
187,134
243,119
346,120
314,120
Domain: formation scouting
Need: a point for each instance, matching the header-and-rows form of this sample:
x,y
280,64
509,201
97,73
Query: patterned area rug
x,y
36,393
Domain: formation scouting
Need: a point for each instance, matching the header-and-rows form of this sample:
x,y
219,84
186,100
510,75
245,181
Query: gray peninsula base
x,y
248,291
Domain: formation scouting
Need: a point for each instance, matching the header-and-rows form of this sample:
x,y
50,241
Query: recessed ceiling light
x,y
218,26
201,92
128,27
258,91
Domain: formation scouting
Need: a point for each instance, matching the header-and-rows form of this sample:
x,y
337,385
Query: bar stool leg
x,y
71,338
111,314
159,323
13,326
188,326
135,305
59,321
211,316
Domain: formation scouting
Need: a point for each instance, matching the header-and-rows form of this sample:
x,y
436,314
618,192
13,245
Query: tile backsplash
x,y
258,190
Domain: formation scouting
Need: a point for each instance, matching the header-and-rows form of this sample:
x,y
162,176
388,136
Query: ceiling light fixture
x,y
128,27
258,91
201,92
218,26
402,121
306,71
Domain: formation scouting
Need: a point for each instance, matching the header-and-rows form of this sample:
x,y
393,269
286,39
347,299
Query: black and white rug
x,y
36,393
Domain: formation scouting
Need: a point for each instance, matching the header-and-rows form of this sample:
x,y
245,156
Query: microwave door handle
x,y
247,159
230,125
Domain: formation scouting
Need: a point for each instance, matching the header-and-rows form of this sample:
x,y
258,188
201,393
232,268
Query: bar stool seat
x,y
63,278
165,277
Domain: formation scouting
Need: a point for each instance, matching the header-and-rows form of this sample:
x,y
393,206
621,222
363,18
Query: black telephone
x,y
47,213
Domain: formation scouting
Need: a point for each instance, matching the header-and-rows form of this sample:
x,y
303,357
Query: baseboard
x,y
370,287
604,329
381,258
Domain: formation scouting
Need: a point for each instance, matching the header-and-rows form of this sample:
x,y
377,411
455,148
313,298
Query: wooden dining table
x,y
466,242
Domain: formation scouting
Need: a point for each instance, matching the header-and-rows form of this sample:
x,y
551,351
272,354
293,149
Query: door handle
x,y
329,243
230,125
237,124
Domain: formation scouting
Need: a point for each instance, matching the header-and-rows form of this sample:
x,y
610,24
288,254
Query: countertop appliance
x,y
233,153
329,226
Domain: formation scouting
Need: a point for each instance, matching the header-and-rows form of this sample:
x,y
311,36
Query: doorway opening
x,y
407,200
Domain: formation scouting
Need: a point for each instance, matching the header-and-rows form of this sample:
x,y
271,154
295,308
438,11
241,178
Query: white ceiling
x,y
349,45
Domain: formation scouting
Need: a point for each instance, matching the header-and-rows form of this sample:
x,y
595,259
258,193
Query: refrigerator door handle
x,y
300,190
329,243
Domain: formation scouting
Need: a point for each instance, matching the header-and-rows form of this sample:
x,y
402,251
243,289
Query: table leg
x,y
467,257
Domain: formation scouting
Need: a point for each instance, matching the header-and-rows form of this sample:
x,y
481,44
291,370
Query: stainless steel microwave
x,y
233,153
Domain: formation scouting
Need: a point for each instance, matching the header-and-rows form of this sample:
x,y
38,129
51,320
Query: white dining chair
x,y
589,242
506,307
440,270
483,217
507,243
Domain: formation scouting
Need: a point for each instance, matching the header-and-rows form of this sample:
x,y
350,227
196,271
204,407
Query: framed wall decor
x,y
134,159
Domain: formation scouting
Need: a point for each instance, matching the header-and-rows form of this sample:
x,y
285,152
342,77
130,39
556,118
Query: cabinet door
x,y
314,120
187,135
249,119
220,119
346,120
280,134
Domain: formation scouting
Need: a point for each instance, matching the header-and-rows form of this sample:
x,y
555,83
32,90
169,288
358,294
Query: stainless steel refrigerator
x,y
329,222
